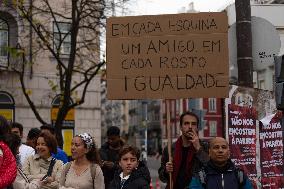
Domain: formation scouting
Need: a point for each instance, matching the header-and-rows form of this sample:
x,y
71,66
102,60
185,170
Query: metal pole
x,y
146,129
145,124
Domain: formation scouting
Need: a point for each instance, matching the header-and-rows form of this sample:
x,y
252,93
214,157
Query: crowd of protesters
x,y
40,163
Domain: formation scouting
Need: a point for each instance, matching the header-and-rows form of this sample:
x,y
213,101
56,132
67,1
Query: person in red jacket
x,y
8,166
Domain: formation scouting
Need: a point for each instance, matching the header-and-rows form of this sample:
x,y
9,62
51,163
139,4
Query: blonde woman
x,y
42,167
85,171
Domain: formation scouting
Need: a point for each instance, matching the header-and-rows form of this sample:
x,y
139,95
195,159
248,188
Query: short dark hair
x,y
4,126
188,113
50,141
113,131
33,133
129,149
17,125
48,127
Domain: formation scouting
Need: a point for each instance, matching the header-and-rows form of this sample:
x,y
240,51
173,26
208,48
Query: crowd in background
x,y
41,163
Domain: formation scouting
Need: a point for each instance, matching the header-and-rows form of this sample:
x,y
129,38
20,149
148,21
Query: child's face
x,y
128,162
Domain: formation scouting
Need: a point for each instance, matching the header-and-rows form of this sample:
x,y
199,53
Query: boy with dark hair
x,y
109,153
133,174
24,150
60,155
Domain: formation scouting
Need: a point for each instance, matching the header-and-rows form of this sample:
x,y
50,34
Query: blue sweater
x,y
61,155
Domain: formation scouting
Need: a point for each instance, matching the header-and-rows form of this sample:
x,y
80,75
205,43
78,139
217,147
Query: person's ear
x,y
209,153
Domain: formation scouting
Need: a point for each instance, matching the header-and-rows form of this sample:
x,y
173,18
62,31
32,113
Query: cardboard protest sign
x,y
167,56
271,154
242,137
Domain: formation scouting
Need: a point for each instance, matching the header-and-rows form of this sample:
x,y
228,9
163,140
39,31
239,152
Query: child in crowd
x,y
133,174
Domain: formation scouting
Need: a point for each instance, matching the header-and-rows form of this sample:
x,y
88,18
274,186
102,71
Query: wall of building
x,y
87,116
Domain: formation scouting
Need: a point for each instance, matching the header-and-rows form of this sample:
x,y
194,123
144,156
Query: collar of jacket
x,y
37,157
213,169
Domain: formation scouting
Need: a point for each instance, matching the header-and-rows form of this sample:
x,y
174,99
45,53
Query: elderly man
x,y
220,172
188,154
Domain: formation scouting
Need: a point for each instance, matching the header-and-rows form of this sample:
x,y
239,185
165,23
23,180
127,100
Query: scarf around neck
x,y
178,158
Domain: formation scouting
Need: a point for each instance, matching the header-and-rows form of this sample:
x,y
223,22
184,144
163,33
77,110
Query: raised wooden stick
x,y
169,137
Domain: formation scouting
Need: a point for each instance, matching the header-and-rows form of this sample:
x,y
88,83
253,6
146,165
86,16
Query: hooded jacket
x,y
139,179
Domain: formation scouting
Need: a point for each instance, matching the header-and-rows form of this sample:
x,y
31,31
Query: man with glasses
x,y
188,154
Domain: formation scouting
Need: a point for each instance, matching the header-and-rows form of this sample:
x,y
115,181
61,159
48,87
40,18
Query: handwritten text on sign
x,y
167,56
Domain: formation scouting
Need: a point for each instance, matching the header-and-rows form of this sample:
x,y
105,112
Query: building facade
x,y
41,76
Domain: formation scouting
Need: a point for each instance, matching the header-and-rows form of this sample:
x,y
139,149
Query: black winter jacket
x,y
108,154
139,179
216,178
200,158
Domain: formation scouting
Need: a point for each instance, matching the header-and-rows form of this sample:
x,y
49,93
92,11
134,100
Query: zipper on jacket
x,y
223,181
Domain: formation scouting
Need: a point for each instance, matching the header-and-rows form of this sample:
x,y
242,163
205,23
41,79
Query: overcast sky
x,y
144,7
153,7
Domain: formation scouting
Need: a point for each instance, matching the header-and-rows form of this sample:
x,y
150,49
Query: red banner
x,y
242,138
272,183
271,153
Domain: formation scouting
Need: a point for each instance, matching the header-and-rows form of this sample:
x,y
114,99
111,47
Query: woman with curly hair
x,y
85,171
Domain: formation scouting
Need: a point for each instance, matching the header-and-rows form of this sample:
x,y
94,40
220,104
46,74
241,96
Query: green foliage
x,y
53,86
14,52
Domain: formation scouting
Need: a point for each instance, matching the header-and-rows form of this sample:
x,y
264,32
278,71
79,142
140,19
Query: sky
x,y
152,7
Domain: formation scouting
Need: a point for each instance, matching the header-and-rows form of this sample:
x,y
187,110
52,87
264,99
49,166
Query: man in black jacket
x,y
109,153
220,172
188,154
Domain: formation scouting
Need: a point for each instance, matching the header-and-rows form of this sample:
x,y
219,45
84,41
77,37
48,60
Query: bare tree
x,y
69,32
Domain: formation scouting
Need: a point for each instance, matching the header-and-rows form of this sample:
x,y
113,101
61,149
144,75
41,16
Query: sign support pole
x,y
169,137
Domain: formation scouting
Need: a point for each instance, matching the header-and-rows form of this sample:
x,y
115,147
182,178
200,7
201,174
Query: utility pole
x,y
244,43
145,106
